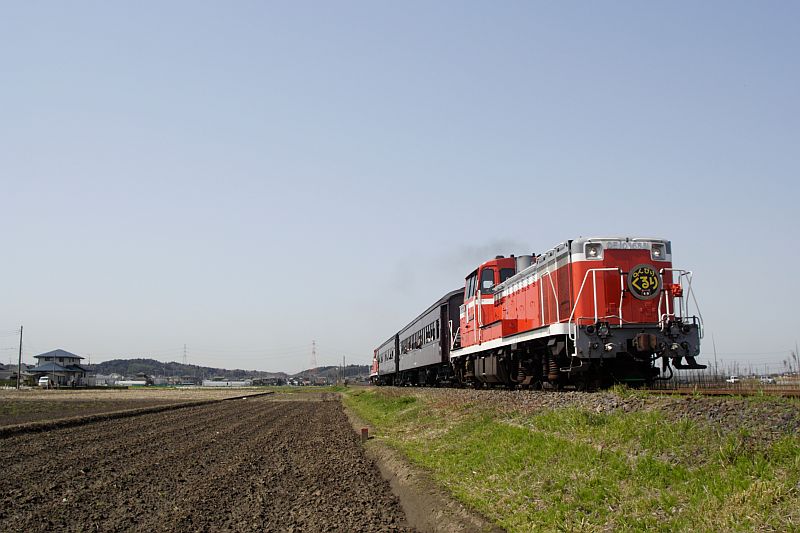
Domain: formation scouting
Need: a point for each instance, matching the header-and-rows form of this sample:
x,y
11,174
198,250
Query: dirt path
x,y
242,465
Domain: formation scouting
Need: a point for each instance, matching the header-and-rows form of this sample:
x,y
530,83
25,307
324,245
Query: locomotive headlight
x,y
602,329
593,250
658,252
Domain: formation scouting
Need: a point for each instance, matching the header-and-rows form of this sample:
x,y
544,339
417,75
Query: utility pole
x,y
714,344
19,361
796,354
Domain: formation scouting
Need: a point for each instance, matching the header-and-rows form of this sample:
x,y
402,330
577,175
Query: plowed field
x,y
254,464
36,405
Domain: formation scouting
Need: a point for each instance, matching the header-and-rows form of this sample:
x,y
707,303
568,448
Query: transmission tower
x,y
184,355
313,357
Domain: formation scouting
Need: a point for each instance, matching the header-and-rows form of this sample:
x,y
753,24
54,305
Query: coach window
x,y
487,279
506,273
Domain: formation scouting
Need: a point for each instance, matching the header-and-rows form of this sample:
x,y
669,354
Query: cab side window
x,y
487,279
471,286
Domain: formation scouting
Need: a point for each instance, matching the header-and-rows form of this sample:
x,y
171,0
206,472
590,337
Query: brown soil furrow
x,y
128,434
242,465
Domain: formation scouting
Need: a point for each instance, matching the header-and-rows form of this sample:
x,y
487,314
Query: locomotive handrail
x,y
573,331
684,309
555,295
454,337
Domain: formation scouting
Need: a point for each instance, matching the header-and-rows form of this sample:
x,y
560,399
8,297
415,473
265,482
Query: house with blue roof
x,y
62,366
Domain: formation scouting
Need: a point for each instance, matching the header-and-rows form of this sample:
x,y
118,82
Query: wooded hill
x,y
151,367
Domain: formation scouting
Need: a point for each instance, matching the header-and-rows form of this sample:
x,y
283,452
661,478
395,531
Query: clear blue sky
x,y
246,177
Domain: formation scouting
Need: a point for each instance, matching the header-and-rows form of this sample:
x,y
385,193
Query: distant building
x,y
9,372
105,380
131,383
216,383
269,381
141,376
62,366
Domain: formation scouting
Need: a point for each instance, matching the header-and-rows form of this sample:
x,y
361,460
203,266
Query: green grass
x,y
575,470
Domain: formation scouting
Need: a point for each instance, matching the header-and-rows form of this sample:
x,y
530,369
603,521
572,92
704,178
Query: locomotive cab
x,y
480,320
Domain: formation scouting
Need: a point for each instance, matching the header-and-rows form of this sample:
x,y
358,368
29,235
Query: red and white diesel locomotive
x,y
588,313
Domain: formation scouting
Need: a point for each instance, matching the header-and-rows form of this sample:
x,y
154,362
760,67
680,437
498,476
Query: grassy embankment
x,y
577,470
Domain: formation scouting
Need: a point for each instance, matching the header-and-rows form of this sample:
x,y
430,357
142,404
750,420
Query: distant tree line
x,y
151,367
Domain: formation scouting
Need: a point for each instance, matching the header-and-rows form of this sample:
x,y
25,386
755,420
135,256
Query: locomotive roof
x,y
620,238
580,240
566,246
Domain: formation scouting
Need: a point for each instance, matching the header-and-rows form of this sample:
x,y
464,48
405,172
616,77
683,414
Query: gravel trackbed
x,y
256,464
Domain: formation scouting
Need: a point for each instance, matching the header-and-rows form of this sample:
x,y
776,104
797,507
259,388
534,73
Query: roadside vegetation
x,y
573,469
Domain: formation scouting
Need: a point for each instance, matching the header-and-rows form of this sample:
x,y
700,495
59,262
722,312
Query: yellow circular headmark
x,y
644,282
